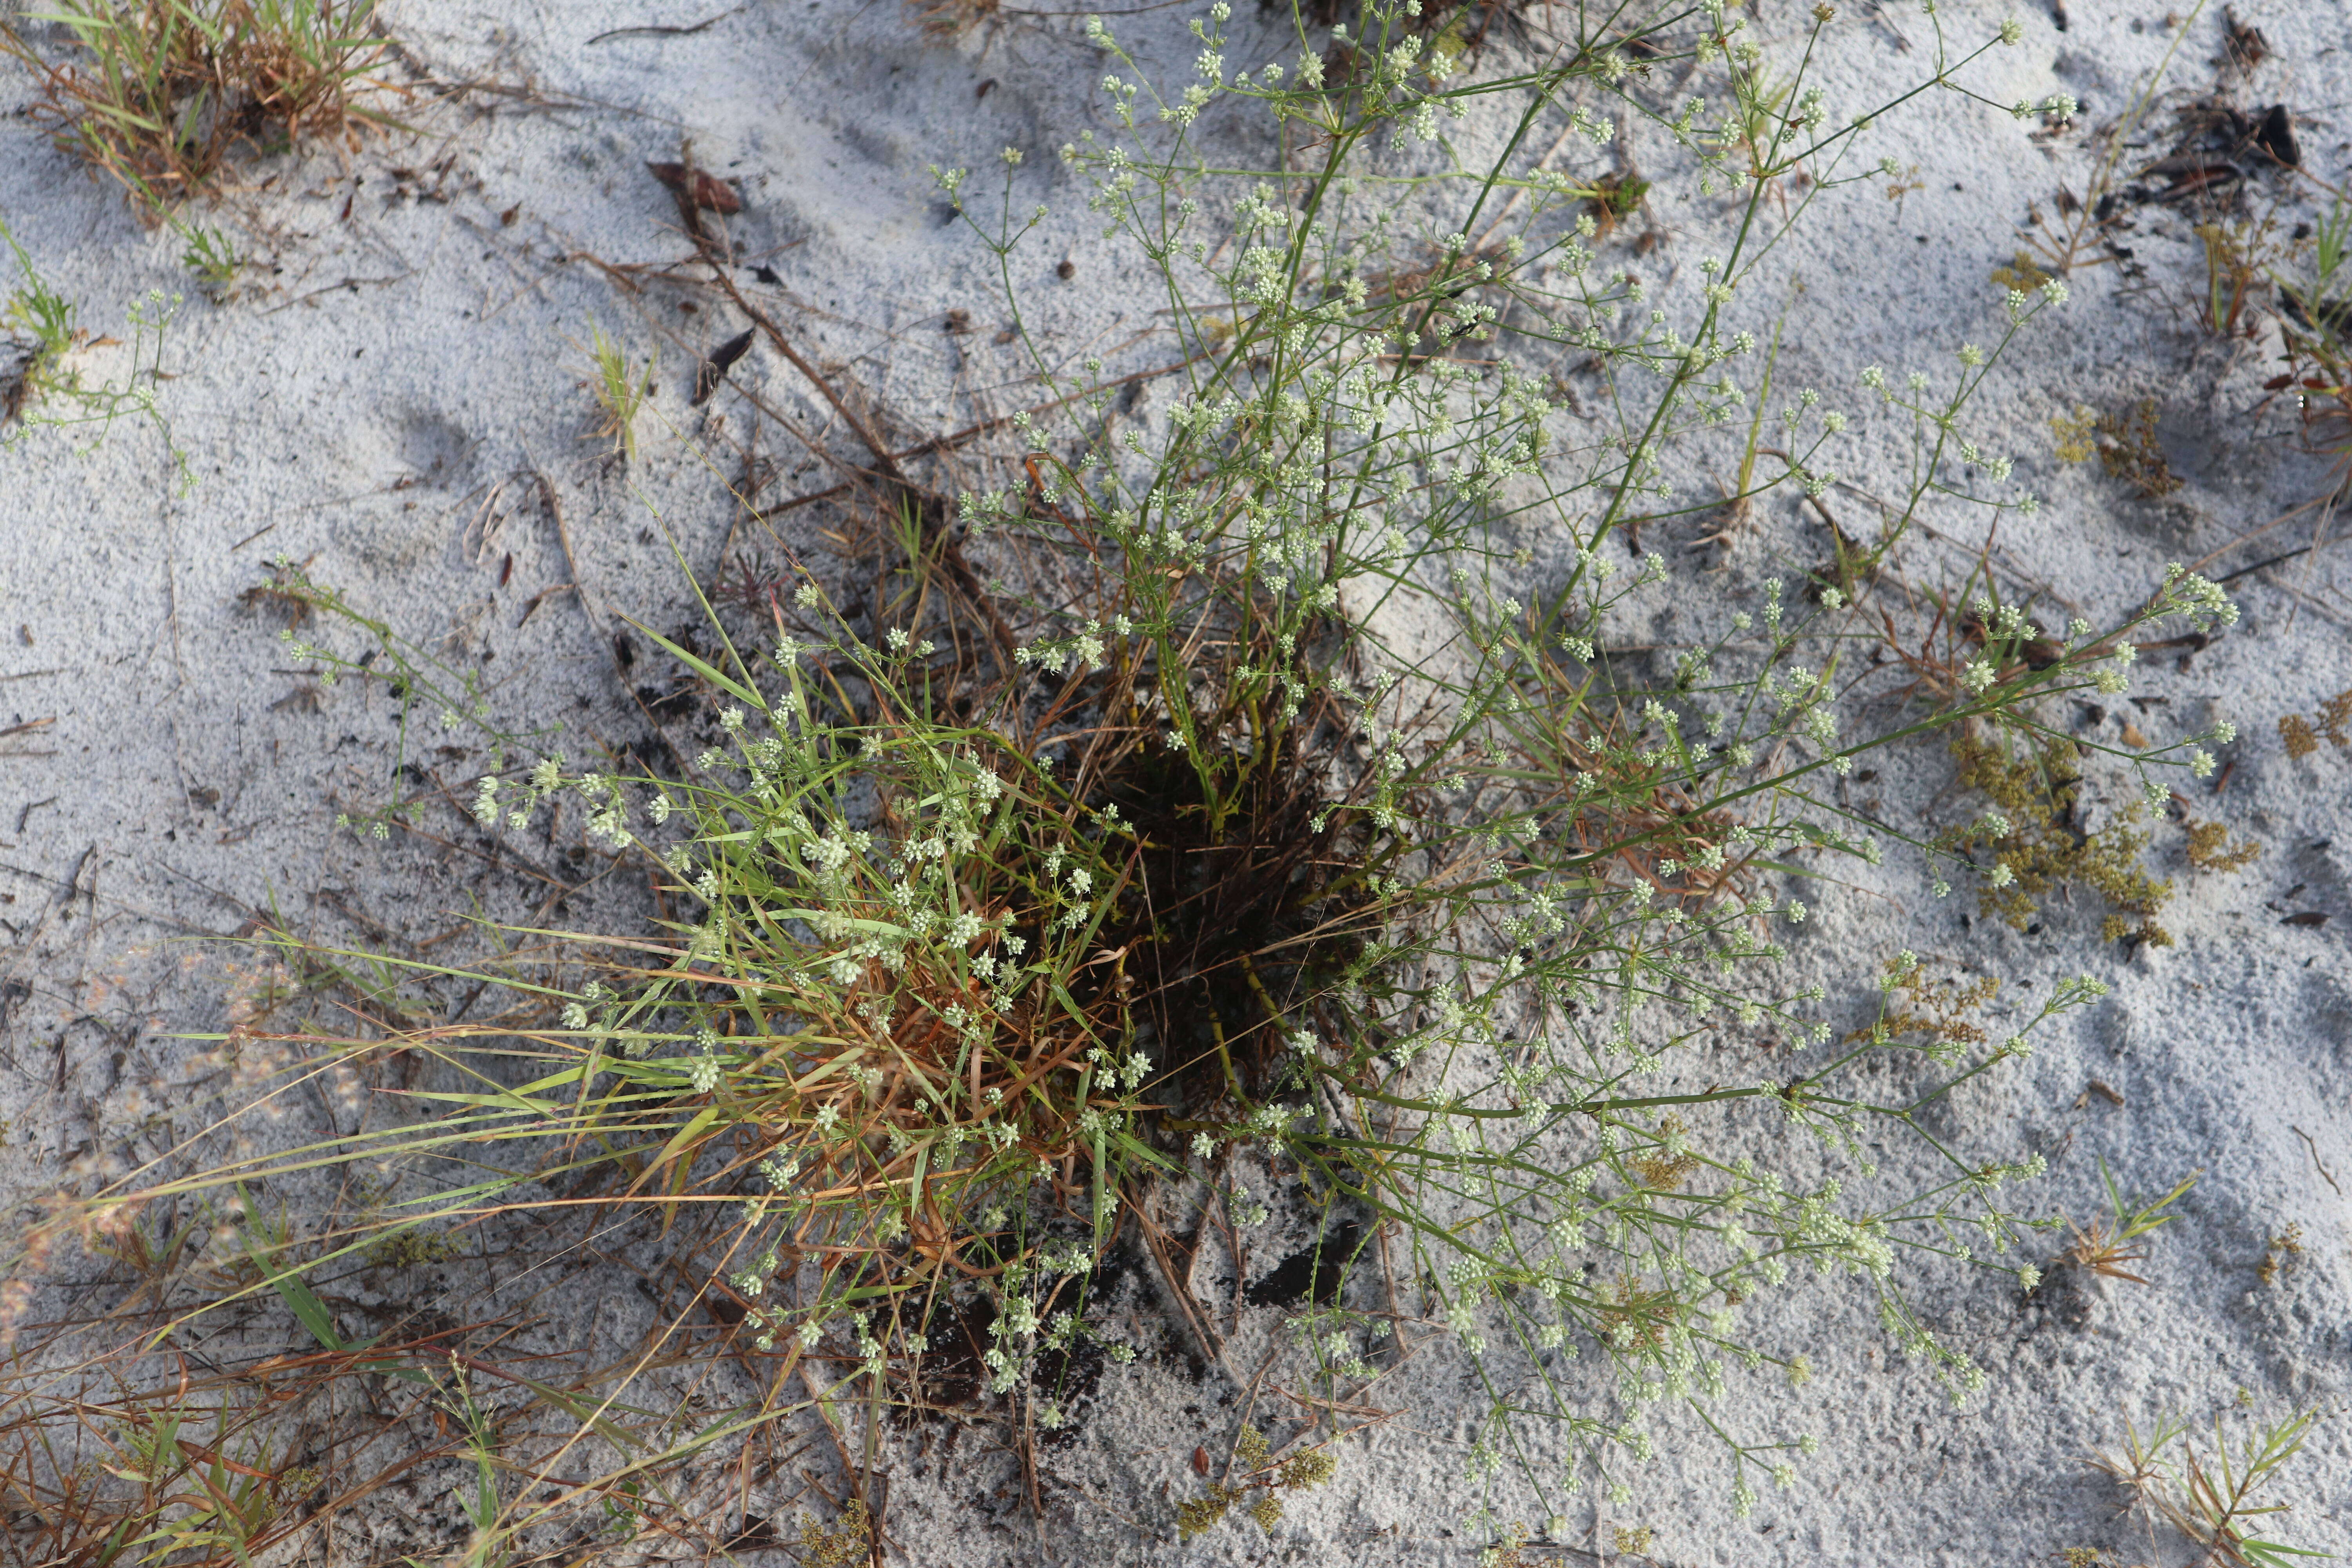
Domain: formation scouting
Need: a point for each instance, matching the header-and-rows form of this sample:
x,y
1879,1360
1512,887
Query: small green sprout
x,y
2105,1245
621,391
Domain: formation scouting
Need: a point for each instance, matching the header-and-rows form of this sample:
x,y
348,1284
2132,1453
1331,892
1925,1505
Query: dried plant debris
x,y
2242,45
2124,441
953,18
2333,722
706,192
2132,452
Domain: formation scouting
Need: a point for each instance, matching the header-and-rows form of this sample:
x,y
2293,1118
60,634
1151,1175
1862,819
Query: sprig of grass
x,y
622,391
2106,1244
2211,1497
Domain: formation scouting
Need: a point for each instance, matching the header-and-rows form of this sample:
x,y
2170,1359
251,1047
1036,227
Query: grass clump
x,y
162,95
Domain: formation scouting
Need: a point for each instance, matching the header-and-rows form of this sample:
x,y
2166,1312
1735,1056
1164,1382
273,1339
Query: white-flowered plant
x,y
1271,816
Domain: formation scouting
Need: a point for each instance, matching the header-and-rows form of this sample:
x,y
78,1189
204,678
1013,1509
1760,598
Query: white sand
x,y
400,349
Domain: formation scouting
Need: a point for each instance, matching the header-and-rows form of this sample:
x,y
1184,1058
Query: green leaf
x,y
1134,1149
290,1286
312,1312
685,1136
1104,1183
709,672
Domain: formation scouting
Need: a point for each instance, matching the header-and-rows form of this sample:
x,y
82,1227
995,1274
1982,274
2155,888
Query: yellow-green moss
x,y
850,1538
2035,791
2302,737
2209,848
409,1250
1310,1468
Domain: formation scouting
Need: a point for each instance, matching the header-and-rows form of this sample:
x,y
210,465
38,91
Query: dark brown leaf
x,y
2305,918
713,370
2275,136
709,193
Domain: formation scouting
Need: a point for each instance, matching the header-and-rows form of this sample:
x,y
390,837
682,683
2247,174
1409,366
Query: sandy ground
x,y
393,398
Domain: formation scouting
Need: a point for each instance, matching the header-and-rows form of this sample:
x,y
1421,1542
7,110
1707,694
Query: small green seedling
x,y
40,328
621,390
2107,1244
210,256
478,1499
41,320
